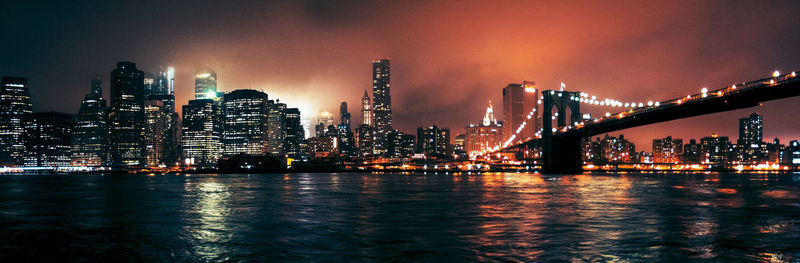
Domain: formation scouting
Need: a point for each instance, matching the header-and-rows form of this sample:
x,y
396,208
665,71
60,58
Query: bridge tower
x,y
560,154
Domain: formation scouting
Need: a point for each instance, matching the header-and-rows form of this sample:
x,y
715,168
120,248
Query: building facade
x,y
201,133
667,150
126,118
519,100
244,120
205,85
47,139
381,104
15,104
484,136
90,132
433,141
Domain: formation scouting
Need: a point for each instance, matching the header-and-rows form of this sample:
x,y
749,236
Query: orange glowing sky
x,y
448,57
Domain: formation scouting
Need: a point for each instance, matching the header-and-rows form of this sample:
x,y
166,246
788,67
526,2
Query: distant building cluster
x,y
712,150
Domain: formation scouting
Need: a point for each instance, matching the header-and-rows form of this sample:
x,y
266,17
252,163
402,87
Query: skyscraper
x,y
381,103
518,101
484,136
15,103
127,114
244,117
90,132
667,150
750,146
47,139
201,133
155,132
344,115
276,131
205,85
366,110
294,134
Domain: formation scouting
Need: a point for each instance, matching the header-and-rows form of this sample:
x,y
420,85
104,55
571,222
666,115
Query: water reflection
x,y
209,226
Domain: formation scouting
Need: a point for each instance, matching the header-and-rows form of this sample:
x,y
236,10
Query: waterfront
x,y
379,217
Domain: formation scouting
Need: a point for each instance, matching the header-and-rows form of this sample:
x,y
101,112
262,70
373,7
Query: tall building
x,y
90,132
692,152
276,130
15,104
127,114
164,83
366,110
244,122
295,134
433,141
47,139
667,150
205,85
792,155
364,139
155,132
715,149
201,133
345,141
172,149
381,103
484,136
344,115
519,100
750,146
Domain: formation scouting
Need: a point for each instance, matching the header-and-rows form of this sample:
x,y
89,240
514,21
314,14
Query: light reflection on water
x,y
384,217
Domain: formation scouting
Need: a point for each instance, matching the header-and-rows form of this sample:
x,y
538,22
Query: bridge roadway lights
x,y
562,155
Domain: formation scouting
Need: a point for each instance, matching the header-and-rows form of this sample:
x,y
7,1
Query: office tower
x,y
459,145
149,85
409,144
692,152
519,100
276,128
750,146
127,114
205,85
90,132
344,115
244,120
366,110
485,136
715,149
47,139
399,144
792,153
345,140
364,140
320,147
15,103
775,151
163,82
155,132
433,141
295,134
381,103
667,150
201,133
171,146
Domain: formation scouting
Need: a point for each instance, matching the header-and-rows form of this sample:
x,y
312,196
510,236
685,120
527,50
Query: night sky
x,y
448,57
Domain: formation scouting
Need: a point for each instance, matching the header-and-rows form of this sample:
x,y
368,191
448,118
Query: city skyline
x,y
671,49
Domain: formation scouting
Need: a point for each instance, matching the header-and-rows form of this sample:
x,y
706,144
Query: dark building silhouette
x,y
692,152
47,139
381,103
295,134
15,104
518,101
716,149
750,146
126,118
90,132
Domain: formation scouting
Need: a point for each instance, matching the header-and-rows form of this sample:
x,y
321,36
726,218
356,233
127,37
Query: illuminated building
x,y
693,152
164,83
715,149
149,85
366,110
750,146
775,151
127,114
459,146
47,139
90,132
205,85
172,149
610,149
201,133
344,115
15,103
155,132
321,147
244,122
433,141
381,104
399,144
295,134
518,101
485,136
792,155
364,140
276,128
667,150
